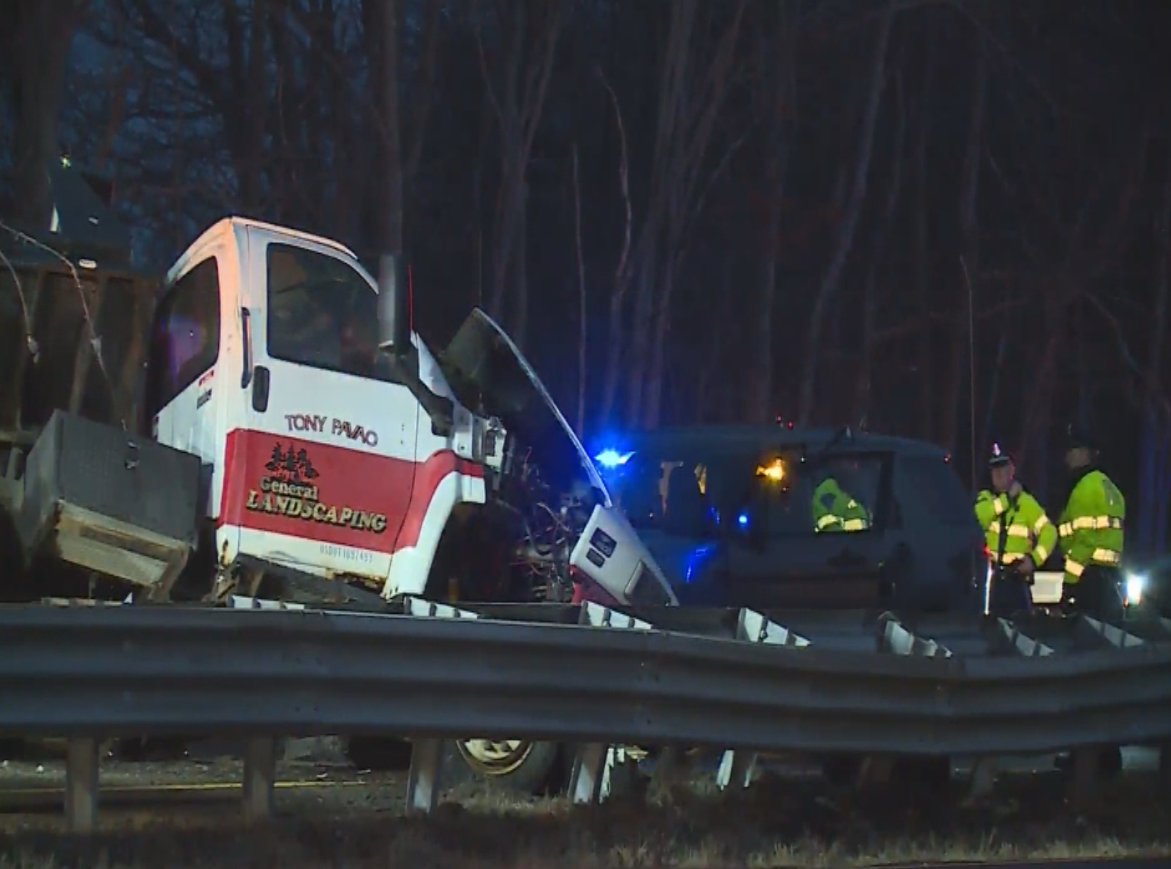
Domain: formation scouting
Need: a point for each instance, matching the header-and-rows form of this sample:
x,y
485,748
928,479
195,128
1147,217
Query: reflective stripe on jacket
x,y
1091,525
1028,529
835,510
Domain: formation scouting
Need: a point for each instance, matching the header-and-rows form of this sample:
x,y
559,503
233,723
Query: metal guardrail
x,y
108,671
728,679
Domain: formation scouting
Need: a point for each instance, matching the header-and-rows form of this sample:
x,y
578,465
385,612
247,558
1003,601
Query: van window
x,y
840,493
695,495
671,493
934,484
185,337
322,313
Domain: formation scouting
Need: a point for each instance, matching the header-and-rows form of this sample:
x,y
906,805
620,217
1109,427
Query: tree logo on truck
x,y
292,489
291,465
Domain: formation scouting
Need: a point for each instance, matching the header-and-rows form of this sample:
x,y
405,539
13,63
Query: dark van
x,y
770,517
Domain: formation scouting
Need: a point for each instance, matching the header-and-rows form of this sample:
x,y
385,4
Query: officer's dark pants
x,y
1010,594
1096,594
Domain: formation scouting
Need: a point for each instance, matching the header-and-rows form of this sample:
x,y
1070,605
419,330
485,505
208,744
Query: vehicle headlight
x,y
1136,584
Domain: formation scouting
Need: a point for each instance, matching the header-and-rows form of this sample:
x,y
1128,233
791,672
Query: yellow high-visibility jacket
x,y
1028,530
836,510
1091,525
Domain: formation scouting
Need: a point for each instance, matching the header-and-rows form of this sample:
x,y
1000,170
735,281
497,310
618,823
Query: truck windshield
x,y
322,313
777,491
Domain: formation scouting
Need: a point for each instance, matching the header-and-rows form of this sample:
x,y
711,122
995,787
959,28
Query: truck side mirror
x,y
394,326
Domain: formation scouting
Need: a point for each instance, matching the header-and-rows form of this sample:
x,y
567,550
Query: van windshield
x,y
779,492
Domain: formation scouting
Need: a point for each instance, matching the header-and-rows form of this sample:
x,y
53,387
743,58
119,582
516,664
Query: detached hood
x,y
486,370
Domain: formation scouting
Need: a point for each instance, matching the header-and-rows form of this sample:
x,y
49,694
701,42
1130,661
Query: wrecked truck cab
x,y
569,519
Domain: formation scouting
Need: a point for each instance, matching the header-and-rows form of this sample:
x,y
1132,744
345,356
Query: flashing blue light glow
x,y
611,458
742,519
695,561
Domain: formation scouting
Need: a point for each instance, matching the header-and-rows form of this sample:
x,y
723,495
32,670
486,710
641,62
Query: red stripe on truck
x,y
427,480
327,493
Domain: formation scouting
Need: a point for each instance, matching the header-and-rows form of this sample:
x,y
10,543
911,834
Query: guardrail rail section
x,y
737,681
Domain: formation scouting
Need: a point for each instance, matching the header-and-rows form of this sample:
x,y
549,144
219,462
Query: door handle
x,y
260,385
246,334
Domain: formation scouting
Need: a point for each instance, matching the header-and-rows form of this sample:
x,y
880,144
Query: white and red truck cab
x,y
335,450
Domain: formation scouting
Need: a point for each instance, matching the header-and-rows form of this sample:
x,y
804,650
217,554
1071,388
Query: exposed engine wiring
x,y
547,521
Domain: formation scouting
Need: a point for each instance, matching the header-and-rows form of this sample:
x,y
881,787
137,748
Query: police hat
x,y
998,457
1077,435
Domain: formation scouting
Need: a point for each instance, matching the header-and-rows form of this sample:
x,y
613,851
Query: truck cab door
x,y
320,437
186,341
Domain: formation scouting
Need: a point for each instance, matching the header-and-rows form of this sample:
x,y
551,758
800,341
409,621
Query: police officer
x,y
1019,535
1091,531
835,509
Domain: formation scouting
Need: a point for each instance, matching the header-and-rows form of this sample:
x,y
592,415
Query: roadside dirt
x,y
352,819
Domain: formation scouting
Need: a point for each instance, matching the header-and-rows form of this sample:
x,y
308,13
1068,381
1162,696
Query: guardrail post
x,y
81,784
738,767
423,779
1084,779
259,778
1022,643
585,784
595,763
619,774
875,771
984,772
671,768
1116,636
985,769
895,638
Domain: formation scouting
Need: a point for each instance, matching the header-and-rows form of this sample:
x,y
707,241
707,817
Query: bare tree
x,y
969,266
777,94
582,335
516,86
689,101
34,51
870,302
1155,445
845,238
381,25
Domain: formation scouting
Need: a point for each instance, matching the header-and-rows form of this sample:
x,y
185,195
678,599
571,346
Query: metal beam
x,y
1021,642
585,782
423,780
147,670
1113,634
81,784
898,639
259,778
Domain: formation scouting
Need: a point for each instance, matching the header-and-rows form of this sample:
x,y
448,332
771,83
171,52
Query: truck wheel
x,y
514,764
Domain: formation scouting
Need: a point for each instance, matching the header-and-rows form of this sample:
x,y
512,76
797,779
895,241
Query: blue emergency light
x,y
611,458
